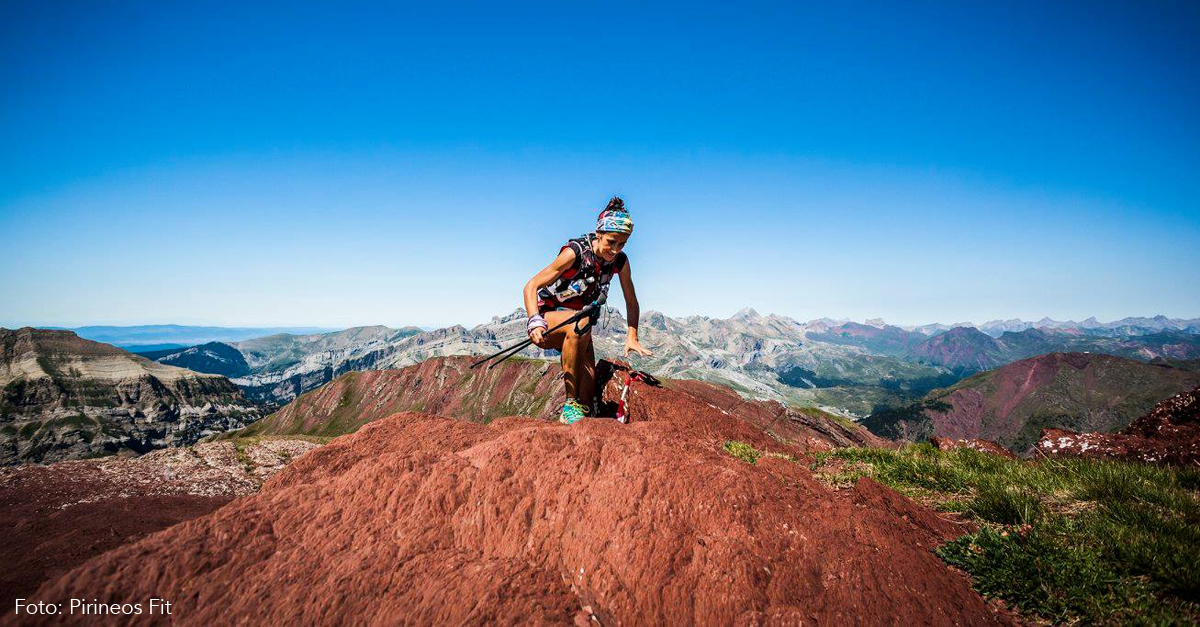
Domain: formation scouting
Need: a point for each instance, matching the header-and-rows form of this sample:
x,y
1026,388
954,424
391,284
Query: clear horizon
x,y
442,326
238,165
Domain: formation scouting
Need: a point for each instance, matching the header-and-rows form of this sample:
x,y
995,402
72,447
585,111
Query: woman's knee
x,y
579,344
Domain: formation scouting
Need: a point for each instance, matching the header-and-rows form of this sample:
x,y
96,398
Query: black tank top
x,y
584,281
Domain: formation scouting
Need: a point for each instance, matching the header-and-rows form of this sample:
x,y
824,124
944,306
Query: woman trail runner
x,y
576,278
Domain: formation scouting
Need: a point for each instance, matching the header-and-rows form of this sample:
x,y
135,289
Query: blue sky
x,y
350,164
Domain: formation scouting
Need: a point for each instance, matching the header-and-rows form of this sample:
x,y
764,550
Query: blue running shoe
x,y
572,411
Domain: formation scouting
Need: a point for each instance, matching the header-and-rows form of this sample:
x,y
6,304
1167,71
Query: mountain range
x,y
846,368
843,367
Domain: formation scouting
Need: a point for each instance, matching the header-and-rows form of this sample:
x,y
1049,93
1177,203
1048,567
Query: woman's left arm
x,y
632,311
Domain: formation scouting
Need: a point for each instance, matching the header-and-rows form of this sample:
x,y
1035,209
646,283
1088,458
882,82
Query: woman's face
x,y
609,244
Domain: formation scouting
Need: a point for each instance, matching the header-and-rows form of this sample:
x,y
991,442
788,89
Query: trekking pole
x,y
511,350
516,348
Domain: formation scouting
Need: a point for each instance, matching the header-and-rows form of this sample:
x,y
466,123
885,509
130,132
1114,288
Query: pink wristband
x,y
535,322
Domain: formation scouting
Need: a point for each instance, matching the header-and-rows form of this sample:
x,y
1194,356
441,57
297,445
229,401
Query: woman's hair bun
x,y
615,204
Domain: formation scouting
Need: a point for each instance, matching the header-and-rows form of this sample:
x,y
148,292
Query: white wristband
x,y
536,322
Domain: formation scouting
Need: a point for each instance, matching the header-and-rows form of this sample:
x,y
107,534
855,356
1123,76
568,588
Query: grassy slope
x,y
1067,541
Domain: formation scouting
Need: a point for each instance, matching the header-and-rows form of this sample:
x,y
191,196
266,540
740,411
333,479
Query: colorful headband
x,y
614,222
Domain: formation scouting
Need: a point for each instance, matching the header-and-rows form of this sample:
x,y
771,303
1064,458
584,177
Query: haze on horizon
x,y
240,165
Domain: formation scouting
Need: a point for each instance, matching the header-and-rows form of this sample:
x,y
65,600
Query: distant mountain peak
x,y
517,314
746,313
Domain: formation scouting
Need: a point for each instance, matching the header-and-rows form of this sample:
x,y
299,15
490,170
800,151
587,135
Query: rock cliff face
x,y
1169,434
1012,404
67,398
421,519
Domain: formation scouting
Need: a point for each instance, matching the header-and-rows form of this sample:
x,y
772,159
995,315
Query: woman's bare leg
x,y
578,356
586,381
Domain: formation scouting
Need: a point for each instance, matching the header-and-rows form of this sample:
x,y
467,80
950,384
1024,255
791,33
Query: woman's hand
x,y
536,328
632,344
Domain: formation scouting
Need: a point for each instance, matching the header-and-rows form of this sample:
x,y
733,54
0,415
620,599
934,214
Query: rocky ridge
x,y
447,386
212,358
444,386
1168,434
975,444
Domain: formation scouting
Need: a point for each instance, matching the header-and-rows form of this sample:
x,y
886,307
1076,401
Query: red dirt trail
x,y
420,519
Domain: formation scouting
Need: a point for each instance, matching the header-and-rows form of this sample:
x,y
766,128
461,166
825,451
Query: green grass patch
x,y
347,392
817,412
520,358
743,451
243,456
1064,540
246,441
747,453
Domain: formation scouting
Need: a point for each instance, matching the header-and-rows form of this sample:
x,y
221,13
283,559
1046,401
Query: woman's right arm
x,y
545,277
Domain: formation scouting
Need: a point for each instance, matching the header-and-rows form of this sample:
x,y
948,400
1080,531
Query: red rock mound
x,y
808,431
975,444
420,519
1169,434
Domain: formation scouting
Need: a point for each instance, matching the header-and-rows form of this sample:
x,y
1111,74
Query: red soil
x,y
49,532
59,516
419,519
808,432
